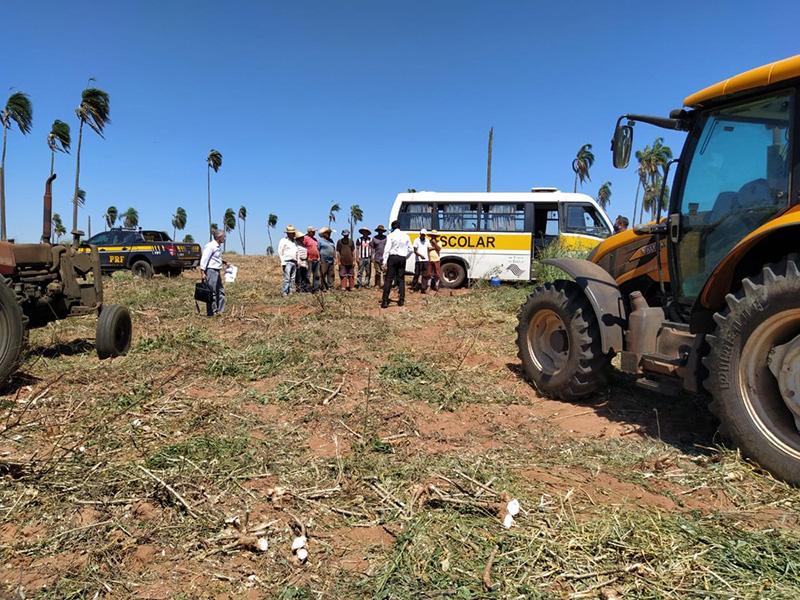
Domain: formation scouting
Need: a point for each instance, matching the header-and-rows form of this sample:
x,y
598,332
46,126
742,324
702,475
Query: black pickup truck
x,y
143,252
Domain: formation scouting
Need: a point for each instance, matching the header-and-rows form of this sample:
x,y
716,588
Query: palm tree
x,y
582,163
356,216
111,216
604,195
272,221
178,221
58,227
653,168
81,197
641,173
214,161
188,239
243,228
58,140
332,214
18,110
131,217
95,110
214,227
229,222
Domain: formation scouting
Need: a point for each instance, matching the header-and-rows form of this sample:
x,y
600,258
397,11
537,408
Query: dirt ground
x,y
391,440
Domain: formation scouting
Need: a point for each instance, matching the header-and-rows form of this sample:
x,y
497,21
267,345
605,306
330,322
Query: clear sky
x,y
353,101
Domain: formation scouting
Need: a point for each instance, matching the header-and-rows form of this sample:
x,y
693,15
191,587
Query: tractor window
x,y
738,179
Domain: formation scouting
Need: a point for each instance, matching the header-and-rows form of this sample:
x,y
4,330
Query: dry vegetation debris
x,y
318,447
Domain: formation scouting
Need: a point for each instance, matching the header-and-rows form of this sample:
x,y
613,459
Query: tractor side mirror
x,y
621,145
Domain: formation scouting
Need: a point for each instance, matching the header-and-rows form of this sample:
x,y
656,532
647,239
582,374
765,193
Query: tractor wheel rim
x,y
761,389
548,342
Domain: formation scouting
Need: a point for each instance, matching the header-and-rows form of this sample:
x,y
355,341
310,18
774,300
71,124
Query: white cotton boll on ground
x,y
262,544
508,521
302,555
299,542
513,507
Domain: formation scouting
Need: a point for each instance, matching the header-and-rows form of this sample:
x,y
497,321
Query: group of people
x,y
309,262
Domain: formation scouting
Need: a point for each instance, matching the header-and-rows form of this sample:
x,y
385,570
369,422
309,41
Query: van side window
x,y
583,218
457,216
416,216
502,217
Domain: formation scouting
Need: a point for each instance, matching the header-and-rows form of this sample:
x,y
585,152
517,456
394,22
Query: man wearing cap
x,y
422,266
398,249
287,252
301,279
211,264
346,252
312,246
364,255
378,244
327,254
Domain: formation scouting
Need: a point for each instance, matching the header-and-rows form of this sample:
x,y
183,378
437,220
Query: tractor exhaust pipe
x,y
47,217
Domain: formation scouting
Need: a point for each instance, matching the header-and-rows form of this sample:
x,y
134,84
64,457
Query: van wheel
x,y
558,337
113,331
143,269
12,330
453,275
754,369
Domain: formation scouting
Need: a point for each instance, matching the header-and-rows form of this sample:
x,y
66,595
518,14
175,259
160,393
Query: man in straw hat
x,y
433,258
422,267
287,252
311,244
364,255
378,244
301,279
327,254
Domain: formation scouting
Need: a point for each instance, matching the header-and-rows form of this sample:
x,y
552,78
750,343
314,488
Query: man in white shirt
x,y
398,249
422,246
287,252
211,265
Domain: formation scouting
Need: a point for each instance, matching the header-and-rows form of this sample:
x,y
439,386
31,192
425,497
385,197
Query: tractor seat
x,y
32,256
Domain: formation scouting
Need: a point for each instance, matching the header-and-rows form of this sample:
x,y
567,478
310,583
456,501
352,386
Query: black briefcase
x,y
202,293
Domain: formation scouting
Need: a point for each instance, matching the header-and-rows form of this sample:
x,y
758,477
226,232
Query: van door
x,y
545,226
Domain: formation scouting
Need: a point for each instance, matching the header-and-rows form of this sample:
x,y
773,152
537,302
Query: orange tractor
x,y
707,297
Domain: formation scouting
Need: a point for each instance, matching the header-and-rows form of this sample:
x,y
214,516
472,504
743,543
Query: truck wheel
x,y
453,275
558,337
142,268
12,330
753,365
113,331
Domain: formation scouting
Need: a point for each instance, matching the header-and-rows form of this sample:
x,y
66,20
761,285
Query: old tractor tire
x,y
12,331
558,337
143,269
452,275
113,331
752,408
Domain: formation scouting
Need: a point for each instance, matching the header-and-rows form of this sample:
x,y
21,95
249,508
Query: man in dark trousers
x,y
398,249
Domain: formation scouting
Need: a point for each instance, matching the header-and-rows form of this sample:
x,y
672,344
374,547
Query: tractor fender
x,y
604,296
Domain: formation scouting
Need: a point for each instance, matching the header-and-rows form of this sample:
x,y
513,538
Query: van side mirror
x,y
621,145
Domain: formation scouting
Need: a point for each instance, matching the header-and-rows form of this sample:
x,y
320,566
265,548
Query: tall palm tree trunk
x,y
270,237
575,189
52,161
3,189
77,179
636,203
210,236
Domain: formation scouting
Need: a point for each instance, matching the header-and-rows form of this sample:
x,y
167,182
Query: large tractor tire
x,y
114,329
754,369
558,337
12,331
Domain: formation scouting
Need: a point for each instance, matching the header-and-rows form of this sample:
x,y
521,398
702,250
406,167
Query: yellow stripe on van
x,y
482,241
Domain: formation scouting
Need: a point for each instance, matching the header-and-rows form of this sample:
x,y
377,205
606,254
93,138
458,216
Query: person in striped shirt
x,y
364,255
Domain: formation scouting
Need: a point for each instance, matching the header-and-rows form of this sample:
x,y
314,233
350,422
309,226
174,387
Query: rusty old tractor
x,y
44,282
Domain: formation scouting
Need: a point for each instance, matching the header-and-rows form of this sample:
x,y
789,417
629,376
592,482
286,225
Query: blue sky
x,y
352,102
